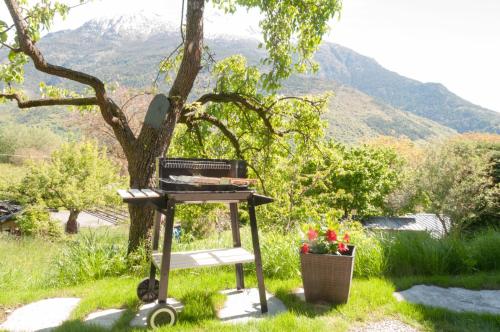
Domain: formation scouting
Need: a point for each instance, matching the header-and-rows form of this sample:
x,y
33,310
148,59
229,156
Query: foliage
x,y
19,143
10,178
35,221
78,176
455,181
292,32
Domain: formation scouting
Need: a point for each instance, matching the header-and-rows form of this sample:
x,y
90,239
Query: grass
x,y
26,271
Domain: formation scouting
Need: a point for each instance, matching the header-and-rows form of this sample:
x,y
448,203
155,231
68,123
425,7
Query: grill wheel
x,y
162,315
145,294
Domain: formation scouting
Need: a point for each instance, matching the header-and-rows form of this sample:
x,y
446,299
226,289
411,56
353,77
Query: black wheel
x,y
162,315
145,294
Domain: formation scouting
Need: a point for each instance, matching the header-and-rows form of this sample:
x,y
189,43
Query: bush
x,y
35,221
92,257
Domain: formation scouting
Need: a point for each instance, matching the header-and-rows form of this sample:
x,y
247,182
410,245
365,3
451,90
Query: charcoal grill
x,y
165,196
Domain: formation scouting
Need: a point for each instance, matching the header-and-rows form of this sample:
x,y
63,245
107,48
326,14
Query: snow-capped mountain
x,y
143,24
139,25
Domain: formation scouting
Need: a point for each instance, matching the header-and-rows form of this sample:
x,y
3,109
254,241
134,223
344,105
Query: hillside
x,y
369,99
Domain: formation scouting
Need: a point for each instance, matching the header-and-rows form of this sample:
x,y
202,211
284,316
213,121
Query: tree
x,y
77,177
292,31
455,181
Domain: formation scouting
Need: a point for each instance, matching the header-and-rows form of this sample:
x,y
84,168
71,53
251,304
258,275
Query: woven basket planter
x,y
327,278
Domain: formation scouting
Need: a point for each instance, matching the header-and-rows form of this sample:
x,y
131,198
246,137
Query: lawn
x,y
27,274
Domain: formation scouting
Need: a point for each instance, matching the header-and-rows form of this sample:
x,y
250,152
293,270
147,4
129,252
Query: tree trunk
x,y
72,224
152,141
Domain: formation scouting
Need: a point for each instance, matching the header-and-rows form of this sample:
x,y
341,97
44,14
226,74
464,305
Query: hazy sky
x,y
454,42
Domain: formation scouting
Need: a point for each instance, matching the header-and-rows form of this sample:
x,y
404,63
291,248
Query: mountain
x,y
368,99
429,100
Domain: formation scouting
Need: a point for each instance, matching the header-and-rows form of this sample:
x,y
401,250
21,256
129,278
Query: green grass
x,y
26,271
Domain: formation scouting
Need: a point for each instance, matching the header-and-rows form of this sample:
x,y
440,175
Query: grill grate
x,y
168,167
195,164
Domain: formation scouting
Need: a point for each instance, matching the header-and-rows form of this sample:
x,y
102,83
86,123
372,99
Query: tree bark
x,y
72,225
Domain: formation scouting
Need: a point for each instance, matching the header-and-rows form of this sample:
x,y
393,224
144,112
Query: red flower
x,y
312,234
331,235
343,248
347,238
305,248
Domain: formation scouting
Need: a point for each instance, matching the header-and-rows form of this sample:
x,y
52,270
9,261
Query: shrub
x,y
35,221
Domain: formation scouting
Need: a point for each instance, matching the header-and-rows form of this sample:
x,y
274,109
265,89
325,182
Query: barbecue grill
x,y
169,192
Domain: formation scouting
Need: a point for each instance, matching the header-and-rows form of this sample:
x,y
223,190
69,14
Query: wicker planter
x,y
327,278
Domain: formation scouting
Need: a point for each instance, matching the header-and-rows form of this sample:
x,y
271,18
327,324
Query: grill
x,y
217,168
172,191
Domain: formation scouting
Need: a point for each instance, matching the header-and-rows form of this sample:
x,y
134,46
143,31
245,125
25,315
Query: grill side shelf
x,y
205,258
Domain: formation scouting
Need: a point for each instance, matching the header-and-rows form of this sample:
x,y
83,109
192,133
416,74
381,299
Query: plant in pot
x,y
327,261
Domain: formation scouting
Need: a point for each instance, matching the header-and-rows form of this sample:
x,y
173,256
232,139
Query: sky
x,y
453,42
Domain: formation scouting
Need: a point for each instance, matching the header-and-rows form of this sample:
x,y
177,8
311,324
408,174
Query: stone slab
x,y
140,319
454,299
42,315
243,305
105,318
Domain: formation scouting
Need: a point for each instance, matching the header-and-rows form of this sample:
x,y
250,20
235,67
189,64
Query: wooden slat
x,y
205,258
150,193
137,193
124,194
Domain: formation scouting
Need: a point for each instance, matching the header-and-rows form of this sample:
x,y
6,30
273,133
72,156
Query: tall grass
x,y
92,256
399,254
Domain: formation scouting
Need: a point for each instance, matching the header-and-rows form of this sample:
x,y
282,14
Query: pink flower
x,y
305,248
312,234
343,248
347,238
331,235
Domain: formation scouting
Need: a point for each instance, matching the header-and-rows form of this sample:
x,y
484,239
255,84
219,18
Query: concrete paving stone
x,y
140,319
454,299
105,318
243,305
42,315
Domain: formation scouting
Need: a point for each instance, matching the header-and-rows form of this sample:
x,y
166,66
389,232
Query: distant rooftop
x,y
427,222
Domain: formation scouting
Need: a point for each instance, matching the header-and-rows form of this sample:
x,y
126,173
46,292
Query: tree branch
x,y
110,112
216,122
244,102
85,101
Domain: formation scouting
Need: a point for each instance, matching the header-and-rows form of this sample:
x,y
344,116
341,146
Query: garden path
x,y
44,315
454,299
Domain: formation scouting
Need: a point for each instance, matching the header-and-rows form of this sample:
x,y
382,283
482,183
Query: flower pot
x,y
327,278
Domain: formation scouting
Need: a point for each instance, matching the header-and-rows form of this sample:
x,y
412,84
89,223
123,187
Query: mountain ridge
x,y
369,99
